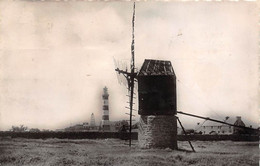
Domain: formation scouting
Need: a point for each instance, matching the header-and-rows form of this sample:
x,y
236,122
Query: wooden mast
x,y
130,77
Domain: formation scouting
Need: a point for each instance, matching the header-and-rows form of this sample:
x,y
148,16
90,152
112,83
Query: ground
x,y
117,153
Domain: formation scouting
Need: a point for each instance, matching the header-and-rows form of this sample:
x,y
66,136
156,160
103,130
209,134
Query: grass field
x,y
115,152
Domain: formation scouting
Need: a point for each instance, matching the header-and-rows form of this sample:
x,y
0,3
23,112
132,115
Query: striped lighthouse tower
x,y
105,118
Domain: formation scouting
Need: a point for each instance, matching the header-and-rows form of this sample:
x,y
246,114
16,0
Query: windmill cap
x,y
156,67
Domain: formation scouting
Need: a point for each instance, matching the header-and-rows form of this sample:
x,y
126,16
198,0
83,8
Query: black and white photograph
x,y
129,83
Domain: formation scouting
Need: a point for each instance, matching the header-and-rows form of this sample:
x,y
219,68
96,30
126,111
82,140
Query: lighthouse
x,y
105,118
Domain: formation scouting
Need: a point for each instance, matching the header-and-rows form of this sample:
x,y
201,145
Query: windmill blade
x,y
117,74
130,76
115,63
136,88
133,41
116,67
123,65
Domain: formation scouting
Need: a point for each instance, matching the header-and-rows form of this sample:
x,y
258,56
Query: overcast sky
x,y
56,57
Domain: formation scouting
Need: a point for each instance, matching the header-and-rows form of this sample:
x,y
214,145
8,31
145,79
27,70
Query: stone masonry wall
x,y
157,131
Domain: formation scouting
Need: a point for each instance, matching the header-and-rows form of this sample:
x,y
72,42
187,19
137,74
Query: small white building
x,y
210,127
215,128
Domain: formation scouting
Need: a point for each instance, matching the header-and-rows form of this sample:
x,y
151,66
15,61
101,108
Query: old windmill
x,y
157,101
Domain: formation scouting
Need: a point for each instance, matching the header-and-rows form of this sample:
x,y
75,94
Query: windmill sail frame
x,y
130,77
